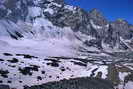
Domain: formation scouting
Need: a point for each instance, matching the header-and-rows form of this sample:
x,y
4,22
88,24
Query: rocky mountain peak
x,y
97,17
121,21
96,12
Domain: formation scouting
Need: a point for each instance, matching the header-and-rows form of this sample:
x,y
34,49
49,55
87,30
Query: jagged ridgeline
x,y
20,18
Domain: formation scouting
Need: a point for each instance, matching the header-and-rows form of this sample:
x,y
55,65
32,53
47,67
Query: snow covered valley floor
x,y
23,65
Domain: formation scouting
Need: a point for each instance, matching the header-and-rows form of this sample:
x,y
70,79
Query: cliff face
x,y
61,15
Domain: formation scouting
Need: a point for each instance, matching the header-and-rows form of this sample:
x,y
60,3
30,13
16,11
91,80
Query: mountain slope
x,y
31,18
48,40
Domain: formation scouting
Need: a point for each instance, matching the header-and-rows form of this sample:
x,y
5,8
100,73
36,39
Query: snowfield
x,y
28,62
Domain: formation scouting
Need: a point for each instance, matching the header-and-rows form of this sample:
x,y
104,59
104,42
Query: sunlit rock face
x,y
49,40
60,14
122,27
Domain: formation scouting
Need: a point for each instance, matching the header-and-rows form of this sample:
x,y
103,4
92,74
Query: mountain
x,y
20,19
49,40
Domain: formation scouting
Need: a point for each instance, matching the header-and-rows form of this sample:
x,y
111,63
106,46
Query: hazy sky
x,y
111,9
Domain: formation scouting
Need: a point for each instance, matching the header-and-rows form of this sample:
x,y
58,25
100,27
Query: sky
x,y
111,9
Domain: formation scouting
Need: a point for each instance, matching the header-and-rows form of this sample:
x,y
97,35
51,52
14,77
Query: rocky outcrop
x,y
60,14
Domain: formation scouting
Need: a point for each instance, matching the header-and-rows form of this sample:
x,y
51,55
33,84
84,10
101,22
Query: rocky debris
x,y
99,75
1,59
39,78
28,70
35,67
20,81
77,83
4,73
1,81
54,64
25,71
26,55
14,60
13,66
53,60
9,81
79,63
62,69
93,72
105,60
84,60
43,72
7,54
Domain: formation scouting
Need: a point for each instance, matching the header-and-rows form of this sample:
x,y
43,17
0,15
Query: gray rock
x,y
97,17
4,87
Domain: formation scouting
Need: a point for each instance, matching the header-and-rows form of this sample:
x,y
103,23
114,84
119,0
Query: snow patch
x,y
123,75
49,10
129,85
34,11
